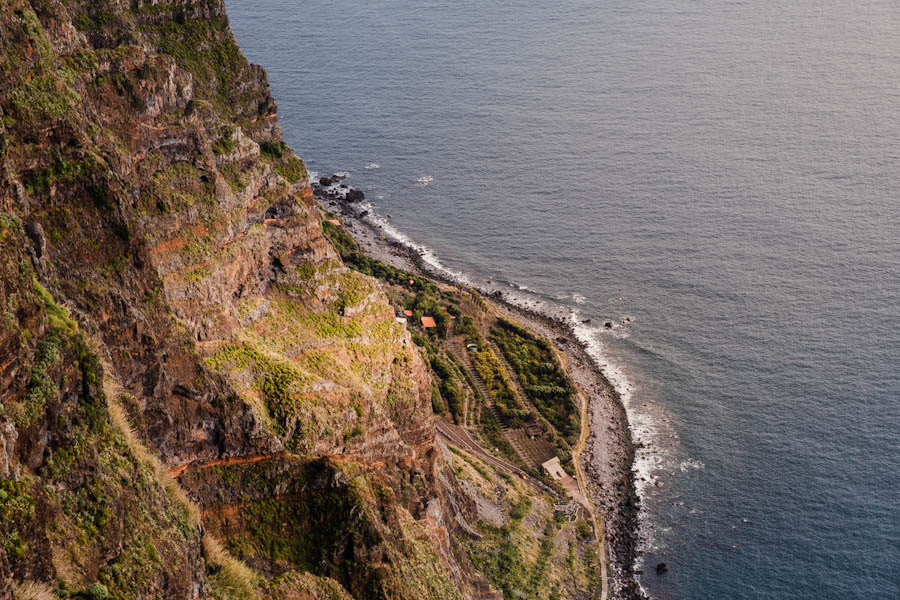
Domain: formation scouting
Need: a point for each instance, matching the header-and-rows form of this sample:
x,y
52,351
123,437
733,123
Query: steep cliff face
x,y
168,296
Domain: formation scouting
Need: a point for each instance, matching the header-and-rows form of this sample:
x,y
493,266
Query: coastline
x,y
609,452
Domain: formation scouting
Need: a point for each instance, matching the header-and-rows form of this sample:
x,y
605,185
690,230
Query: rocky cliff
x,y
172,309
198,399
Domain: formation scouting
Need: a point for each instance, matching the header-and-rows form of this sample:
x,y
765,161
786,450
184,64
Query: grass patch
x,y
293,170
475,464
498,556
44,97
16,513
225,143
279,381
273,149
33,590
62,170
206,48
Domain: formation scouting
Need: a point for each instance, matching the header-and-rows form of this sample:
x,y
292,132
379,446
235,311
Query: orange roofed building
x,y
428,322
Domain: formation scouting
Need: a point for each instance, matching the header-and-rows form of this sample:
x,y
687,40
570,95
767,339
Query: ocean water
x,y
725,172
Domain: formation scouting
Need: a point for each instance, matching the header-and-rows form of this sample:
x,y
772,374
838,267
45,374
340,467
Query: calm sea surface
x,y
726,172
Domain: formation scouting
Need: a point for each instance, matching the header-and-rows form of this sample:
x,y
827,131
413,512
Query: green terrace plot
x,y
449,395
541,376
500,388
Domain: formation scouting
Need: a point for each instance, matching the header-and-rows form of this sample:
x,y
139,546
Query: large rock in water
x,y
355,196
661,568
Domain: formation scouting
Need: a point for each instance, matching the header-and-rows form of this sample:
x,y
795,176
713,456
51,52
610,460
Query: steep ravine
x,y
172,309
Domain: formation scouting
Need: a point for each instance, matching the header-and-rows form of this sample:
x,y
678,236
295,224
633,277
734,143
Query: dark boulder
x,y
661,568
355,196
325,181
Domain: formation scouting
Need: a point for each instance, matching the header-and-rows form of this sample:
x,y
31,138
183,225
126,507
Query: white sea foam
x,y
372,166
645,428
688,465
427,255
579,298
342,174
425,179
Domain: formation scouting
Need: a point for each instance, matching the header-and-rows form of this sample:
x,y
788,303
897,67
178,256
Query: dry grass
x,y
33,590
119,419
235,580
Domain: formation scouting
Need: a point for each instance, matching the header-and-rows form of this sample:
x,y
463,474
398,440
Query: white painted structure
x,y
554,469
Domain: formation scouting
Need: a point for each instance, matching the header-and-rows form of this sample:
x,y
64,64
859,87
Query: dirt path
x,y
219,462
599,530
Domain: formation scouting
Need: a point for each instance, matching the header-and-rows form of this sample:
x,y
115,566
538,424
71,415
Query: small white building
x,y
554,469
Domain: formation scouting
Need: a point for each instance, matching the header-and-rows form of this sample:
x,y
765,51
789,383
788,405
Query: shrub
x,y
97,591
518,510
467,328
293,170
353,432
583,529
273,149
225,143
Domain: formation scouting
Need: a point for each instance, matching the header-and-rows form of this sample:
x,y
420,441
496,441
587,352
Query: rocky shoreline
x,y
609,453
